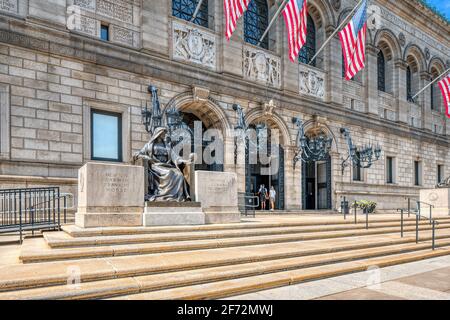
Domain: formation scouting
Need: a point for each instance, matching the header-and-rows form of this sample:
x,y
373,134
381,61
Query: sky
x,y
442,5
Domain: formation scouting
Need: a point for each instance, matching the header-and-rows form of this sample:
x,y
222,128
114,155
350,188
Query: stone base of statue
x,y
217,192
110,195
173,214
439,198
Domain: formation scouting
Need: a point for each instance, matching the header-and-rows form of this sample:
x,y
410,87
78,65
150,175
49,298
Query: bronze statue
x,y
166,181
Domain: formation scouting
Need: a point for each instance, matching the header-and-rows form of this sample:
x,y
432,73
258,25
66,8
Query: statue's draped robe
x,y
166,177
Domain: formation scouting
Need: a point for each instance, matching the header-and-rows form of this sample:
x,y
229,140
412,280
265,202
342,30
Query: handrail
x,y
418,215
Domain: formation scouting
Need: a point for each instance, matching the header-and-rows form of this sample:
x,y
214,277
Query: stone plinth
x,y
110,195
217,192
173,214
439,197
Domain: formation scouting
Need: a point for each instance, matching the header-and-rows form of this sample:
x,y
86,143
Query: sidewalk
x,y
423,280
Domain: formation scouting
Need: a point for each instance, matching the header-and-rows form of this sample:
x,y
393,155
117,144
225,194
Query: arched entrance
x,y
317,178
264,162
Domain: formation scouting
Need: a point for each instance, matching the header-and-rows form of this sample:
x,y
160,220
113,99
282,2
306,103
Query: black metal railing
x,y
418,213
31,209
247,203
345,209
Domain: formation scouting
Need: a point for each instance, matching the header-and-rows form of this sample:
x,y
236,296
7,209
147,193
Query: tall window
x,y
389,170
104,32
433,101
106,136
184,9
256,20
440,173
381,72
408,84
309,49
417,173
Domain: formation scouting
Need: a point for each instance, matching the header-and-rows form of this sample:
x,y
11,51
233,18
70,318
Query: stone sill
x,y
38,179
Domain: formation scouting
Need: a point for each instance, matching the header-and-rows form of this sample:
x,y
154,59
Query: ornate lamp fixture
x,y
362,157
152,119
314,148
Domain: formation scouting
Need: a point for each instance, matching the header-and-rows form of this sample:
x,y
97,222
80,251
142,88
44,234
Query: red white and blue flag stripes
x,y
444,84
234,9
295,17
353,39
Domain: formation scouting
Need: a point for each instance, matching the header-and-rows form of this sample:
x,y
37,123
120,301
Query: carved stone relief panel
x,y
312,82
194,45
9,6
260,66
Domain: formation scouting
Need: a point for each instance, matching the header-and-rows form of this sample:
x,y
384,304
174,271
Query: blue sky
x,y
442,5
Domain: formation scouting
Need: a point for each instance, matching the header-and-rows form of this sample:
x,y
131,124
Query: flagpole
x,y
273,20
335,31
431,83
197,9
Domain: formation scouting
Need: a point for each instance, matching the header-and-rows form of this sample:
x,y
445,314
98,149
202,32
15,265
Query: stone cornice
x,y
172,71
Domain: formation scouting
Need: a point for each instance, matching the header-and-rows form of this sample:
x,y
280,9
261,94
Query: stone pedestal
x,y
173,214
217,192
439,197
110,195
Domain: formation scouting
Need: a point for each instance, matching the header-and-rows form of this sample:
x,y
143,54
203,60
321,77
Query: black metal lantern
x,y
152,119
362,157
174,119
314,148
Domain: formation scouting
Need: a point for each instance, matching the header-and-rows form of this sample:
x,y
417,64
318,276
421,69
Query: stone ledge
x,y
173,218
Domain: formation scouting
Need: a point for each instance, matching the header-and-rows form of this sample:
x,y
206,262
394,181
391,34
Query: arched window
x,y
309,49
256,20
435,93
381,72
184,9
408,84
433,102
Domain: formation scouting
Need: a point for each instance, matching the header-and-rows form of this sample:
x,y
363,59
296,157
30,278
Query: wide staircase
x,y
212,261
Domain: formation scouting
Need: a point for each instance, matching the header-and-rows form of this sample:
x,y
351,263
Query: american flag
x,y
353,39
234,9
444,84
296,26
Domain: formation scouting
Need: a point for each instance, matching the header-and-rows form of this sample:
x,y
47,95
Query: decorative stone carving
x,y
193,45
336,4
312,82
268,108
261,66
200,94
402,39
9,6
427,54
88,26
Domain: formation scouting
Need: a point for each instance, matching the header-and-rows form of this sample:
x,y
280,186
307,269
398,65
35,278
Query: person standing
x,y
273,195
262,193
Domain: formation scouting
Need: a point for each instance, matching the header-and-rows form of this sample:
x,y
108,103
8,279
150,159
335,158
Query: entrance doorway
x,y
316,184
254,177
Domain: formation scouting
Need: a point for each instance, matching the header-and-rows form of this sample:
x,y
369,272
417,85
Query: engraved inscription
x,y
115,182
87,26
122,35
85,4
9,6
117,10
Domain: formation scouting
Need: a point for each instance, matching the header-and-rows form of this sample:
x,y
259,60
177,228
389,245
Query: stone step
x,y
247,223
233,287
186,283
21,276
190,241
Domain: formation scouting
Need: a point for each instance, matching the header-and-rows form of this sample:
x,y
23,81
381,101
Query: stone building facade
x,y
55,68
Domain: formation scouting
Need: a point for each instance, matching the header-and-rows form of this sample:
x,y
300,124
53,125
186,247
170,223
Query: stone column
x,y
425,101
371,80
333,64
400,91
292,180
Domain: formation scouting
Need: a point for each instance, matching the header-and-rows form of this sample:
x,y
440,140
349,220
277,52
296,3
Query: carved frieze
x,y
261,66
312,82
124,36
193,45
116,9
